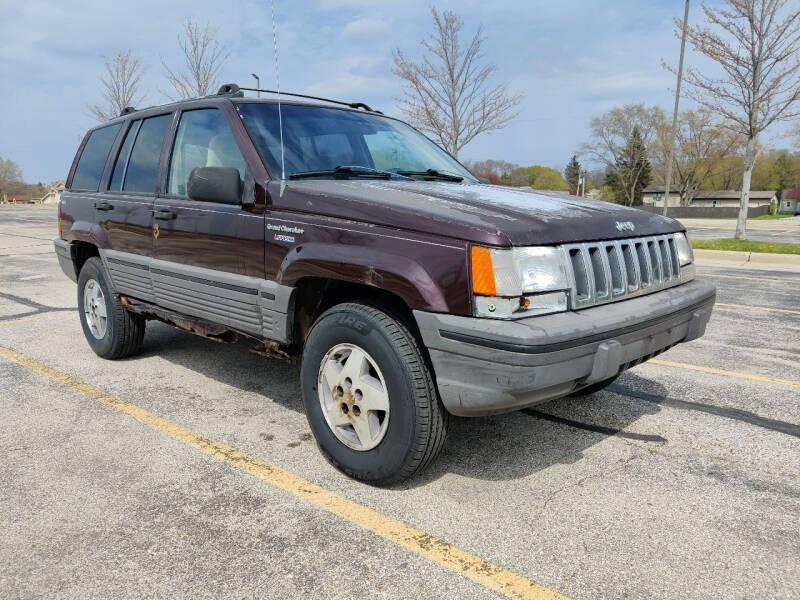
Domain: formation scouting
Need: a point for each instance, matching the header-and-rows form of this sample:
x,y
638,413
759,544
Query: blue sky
x,y
572,59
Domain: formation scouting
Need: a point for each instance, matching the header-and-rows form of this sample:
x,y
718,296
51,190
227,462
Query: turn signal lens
x,y
483,272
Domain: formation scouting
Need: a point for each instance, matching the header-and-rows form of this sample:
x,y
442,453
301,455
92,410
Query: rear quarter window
x,y
93,158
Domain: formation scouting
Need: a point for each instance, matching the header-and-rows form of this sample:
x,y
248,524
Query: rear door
x,y
201,248
126,210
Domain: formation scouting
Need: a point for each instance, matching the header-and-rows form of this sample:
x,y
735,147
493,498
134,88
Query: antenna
x,y
278,82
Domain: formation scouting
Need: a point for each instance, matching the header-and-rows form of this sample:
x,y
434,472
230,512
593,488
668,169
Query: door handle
x,y
164,215
103,205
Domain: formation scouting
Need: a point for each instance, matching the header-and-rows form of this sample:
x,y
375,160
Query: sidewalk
x,y
750,260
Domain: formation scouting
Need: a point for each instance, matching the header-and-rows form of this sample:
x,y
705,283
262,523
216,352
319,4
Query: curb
x,y
749,259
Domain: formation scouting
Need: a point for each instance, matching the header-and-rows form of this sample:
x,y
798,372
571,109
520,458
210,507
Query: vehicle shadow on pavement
x,y
501,447
521,443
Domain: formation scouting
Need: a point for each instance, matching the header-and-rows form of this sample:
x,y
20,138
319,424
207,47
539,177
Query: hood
x,y
487,214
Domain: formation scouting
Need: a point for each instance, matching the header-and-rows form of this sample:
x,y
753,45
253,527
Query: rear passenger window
x,y
93,158
204,139
121,164
141,174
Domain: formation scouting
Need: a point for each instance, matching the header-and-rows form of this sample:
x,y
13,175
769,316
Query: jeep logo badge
x,y
625,226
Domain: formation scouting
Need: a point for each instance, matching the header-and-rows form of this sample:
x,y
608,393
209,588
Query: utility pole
x,y
668,182
258,85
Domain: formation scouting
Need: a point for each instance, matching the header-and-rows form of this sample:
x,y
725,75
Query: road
x,y
188,471
768,230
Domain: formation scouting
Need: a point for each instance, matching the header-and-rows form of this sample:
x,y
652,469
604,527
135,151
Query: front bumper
x,y
486,366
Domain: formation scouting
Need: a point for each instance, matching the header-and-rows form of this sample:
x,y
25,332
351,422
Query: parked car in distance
x,y
346,240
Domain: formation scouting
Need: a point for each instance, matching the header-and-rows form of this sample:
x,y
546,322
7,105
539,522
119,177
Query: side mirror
x,y
485,180
215,184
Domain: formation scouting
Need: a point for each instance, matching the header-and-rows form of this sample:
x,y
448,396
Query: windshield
x,y
320,139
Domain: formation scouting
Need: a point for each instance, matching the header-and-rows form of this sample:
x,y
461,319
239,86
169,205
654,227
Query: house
x,y
17,199
53,195
654,196
790,203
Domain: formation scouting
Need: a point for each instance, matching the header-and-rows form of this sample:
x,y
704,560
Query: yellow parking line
x,y
451,557
767,308
751,376
37,317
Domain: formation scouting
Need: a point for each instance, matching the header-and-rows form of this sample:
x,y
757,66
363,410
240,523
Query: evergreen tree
x,y
572,174
634,169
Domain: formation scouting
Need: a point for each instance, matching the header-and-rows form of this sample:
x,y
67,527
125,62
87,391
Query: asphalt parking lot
x,y
786,231
189,470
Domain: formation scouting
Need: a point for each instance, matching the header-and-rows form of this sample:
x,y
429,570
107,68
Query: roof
x,y
659,189
231,91
792,194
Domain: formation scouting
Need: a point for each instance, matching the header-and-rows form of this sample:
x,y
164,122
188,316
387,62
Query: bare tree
x,y
120,83
758,48
448,93
204,58
611,144
701,149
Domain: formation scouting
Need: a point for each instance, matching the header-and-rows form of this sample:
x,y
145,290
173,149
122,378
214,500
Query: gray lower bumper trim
x,y
485,366
65,259
545,348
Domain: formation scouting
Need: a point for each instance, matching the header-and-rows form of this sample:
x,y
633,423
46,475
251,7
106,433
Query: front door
x,y
201,247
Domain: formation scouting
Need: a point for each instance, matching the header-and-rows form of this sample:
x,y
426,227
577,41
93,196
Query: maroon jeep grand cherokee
x,y
348,240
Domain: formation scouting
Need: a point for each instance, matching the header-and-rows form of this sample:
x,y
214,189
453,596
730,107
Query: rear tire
x,y
401,425
117,333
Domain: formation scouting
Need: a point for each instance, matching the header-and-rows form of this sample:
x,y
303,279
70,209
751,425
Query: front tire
x,y
112,331
369,395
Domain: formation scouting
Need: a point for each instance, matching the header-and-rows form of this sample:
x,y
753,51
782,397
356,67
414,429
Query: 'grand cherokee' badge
x,y
625,226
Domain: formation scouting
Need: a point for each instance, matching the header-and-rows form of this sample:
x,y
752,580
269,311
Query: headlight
x,y
518,282
684,249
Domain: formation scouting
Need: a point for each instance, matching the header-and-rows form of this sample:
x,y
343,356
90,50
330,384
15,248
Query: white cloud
x,y
368,26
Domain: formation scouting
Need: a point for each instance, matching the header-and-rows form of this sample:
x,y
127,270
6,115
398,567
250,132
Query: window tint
x,y
317,138
142,172
388,151
122,158
204,139
93,158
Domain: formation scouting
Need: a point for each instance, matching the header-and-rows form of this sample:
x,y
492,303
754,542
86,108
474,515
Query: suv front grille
x,y
613,270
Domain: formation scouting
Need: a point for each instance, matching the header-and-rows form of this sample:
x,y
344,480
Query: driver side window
x,y
204,139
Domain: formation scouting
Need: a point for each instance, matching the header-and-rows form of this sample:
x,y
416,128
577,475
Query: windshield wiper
x,y
346,171
432,174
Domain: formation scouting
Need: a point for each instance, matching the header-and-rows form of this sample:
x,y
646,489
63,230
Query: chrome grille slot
x,y
666,262
673,256
618,285
580,276
599,272
605,271
631,266
644,264
655,262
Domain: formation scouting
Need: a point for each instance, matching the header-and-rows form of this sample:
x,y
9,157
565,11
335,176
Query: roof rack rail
x,y
127,110
231,89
